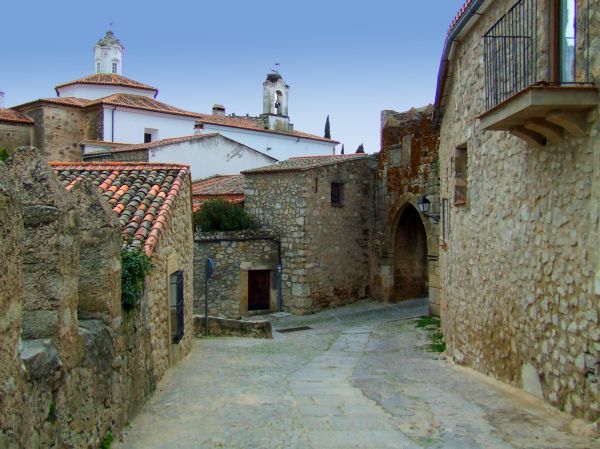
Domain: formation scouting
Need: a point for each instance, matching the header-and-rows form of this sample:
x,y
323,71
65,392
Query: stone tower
x,y
275,103
108,55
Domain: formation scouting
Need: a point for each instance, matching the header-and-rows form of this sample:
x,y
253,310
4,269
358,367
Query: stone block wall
x,y
520,301
407,169
59,130
235,253
70,372
324,249
13,135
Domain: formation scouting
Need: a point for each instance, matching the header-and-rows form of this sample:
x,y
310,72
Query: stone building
x,y
16,130
74,365
206,154
519,165
106,108
404,238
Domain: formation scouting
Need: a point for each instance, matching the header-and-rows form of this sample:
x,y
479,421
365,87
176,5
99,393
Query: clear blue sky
x,y
346,59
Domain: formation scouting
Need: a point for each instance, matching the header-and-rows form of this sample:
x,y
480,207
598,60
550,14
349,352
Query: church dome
x,y
109,40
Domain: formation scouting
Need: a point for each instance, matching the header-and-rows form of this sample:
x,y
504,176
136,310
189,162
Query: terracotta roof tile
x,y
460,14
109,79
146,146
227,187
305,163
141,194
10,115
256,125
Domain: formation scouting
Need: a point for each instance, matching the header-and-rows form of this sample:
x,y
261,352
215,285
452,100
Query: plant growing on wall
x,y
221,215
3,154
135,265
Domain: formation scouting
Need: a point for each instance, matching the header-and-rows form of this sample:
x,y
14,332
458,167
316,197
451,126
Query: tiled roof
x,y
142,195
305,163
109,79
10,115
256,125
146,146
144,103
460,14
63,101
227,187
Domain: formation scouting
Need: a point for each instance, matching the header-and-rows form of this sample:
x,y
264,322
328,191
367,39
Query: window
x,y
460,175
150,135
147,137
177,306
97,66
337,194
114,67
566,40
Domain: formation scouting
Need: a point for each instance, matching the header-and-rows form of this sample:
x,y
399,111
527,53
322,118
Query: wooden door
x,y
259,285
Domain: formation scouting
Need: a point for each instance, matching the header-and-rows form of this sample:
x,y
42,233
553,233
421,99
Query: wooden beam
x,y
531,137
553,133
575,122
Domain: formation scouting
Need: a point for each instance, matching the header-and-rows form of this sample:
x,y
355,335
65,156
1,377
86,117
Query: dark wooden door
x,y
259,283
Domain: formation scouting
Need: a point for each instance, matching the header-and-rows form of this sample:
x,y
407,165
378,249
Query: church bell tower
x,y
108,55
275,104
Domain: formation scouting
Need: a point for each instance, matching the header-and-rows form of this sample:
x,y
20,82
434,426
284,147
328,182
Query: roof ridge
x,y
143,165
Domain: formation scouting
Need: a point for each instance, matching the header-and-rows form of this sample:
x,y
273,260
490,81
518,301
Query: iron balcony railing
x,y
511,48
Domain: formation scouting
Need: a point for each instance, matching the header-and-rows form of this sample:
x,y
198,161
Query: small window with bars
x,y
337,194
177,306
460,175
114,67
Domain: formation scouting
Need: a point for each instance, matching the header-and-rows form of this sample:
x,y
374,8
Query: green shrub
x,y
107,441
433,327
3,154
221,215
135,266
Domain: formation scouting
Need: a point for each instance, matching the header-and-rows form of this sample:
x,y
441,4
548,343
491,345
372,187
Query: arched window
x,y
278,107
114,67
97,66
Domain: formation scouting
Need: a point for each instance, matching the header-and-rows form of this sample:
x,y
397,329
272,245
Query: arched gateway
x,y
410,256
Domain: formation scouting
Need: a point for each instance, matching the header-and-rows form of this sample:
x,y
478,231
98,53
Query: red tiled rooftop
x,y
109,79
305,163
227,187
10,115
146,146
256,125
460,14
142,195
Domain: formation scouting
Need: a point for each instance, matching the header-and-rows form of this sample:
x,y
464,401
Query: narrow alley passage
x,y
360,377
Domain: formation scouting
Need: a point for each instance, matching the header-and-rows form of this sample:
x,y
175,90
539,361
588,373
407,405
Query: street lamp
x,y
424,205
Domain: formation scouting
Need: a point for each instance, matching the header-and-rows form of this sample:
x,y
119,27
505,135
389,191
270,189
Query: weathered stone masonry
x,y
519,301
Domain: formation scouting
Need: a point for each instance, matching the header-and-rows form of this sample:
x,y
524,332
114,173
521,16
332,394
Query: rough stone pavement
x,y
360,378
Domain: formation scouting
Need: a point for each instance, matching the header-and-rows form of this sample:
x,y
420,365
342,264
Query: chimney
x,y
1,100
218,109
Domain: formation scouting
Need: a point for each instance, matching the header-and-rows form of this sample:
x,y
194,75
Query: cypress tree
x,y
327,129
360,149
342,152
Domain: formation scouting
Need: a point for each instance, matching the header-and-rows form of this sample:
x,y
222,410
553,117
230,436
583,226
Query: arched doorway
x,y
410,256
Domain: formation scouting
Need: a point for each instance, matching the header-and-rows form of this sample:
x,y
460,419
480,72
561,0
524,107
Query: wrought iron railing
x,y
511,49
510,53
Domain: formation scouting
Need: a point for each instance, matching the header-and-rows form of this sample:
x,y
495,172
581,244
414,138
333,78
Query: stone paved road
x,y
360,378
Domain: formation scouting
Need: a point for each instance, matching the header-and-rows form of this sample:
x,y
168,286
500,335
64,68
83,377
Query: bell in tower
x,y
275,103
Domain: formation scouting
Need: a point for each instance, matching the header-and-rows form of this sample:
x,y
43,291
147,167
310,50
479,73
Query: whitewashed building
x,y
105,109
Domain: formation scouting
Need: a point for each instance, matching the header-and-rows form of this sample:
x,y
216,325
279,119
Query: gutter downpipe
x,y
444,63
112,126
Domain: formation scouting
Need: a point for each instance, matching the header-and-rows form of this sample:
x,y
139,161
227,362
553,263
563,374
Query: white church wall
x,y
93,92
130,125
104,58
275,145
210,156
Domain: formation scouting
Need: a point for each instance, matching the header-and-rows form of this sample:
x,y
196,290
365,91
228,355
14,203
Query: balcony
x,y
517,99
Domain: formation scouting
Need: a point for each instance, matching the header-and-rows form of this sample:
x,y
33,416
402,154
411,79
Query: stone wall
x,y
119,156
519,298
73,364
235,253
407,169
324,249
13,135
59,130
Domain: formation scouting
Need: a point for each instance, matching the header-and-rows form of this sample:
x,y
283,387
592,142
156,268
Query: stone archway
x,y
410,256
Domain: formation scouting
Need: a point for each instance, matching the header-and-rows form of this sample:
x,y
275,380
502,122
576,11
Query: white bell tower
x,y
275,103
108,55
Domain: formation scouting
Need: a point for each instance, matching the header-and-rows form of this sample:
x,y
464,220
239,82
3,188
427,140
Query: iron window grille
x,y
511,48
337,194
177,307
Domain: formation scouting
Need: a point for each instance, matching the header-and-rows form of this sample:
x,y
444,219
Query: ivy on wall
x,y
135,266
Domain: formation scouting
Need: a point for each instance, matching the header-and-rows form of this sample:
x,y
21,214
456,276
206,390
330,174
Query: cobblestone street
x,y
361,377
